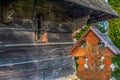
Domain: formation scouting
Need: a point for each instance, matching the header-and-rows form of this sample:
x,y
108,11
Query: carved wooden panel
x,y
106,51
107,63
81,62
44,37
92,39
93,75
95,63
79,52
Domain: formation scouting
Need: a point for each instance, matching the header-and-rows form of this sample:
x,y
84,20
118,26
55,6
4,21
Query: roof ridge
x,y
101,36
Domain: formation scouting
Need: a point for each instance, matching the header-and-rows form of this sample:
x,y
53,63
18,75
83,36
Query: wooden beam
x,y
34,9
2,13
33,61
37,44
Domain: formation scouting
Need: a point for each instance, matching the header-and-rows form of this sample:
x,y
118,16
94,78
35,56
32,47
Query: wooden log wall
x,y
22,58
33,62
53,12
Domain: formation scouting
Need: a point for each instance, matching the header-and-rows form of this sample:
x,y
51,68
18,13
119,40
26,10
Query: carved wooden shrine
x,y
94,52
37,35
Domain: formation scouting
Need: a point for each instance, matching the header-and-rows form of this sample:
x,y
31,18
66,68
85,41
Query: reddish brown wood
x,y
92,55
44,37
81,62
79,52
78,42
107,51
92,39
93,75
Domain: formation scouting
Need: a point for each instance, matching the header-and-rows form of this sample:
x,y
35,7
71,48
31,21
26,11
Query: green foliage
x,y
115,4
116,60
76,58
114,27
114,31
114,34
78,35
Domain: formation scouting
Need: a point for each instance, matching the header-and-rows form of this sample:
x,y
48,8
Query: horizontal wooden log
x,y
31,62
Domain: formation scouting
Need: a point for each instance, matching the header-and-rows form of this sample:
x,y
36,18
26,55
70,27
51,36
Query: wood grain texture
x,y
32,62
22,58
96,59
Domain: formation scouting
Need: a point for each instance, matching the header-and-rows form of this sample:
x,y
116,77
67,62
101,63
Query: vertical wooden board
x,y
93,49
44,37
1,12
81,63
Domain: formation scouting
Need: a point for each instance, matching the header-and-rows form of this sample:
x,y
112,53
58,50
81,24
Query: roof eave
x,y
115,50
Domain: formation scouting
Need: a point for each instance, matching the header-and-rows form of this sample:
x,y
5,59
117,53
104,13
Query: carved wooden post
x,y
81,62
107,63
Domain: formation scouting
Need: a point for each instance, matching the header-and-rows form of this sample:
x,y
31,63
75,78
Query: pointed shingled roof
x,y
101,36
99,9
99,5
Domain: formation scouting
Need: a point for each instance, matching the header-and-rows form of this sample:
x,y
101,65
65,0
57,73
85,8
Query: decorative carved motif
x,y
93,60
94,51
81,62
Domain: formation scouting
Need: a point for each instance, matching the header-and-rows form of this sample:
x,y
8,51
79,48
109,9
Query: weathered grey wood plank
x,y
30,62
